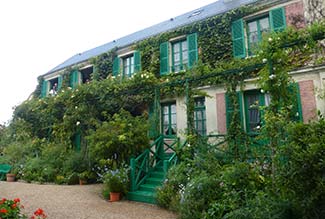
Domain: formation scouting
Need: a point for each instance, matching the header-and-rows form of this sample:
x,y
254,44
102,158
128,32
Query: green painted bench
x,y
4,169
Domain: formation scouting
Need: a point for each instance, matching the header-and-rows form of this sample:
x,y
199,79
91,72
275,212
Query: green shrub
x,y
127,136
301,169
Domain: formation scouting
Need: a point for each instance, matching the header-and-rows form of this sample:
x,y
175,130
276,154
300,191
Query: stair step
x,y
154,181
159,168
148,187
142,196
157,174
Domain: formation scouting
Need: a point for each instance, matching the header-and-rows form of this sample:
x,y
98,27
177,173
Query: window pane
x,y
264,24
177,57
176,47
253,37
173,108
252,26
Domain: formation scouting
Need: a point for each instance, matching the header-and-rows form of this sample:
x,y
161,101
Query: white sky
x,y
37,35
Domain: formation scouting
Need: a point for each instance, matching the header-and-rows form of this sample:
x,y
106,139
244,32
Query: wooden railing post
x,y
133,183
165,167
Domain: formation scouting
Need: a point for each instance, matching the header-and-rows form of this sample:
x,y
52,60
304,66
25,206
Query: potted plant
x,y
116,182
11,176
83,177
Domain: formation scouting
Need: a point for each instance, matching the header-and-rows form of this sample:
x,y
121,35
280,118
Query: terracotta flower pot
x,y
114,196
82,182
11,177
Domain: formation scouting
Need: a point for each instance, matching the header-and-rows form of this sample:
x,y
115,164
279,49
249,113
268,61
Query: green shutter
x,y
277,19
238,39
44,88
137,61
74,79
77,140
230,109
164,63
296,112
116,66
192,49
261,103
59,82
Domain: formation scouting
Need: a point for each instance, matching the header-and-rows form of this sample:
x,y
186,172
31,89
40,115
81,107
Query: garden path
x,y
77,202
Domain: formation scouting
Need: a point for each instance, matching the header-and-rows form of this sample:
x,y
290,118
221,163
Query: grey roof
x,y
210,10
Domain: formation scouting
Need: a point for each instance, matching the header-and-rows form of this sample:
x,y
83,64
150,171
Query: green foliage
x,y
127,137
301,169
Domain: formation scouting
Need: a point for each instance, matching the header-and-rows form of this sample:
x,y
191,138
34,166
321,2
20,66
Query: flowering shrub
x,y
39,214
117,180
11,209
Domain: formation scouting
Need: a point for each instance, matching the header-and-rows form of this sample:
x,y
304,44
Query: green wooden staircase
x,y
149,169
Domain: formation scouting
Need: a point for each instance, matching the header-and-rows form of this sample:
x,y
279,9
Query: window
x,y
249,32
86,74
169,119
255,31
199,116
54,87
179,55
51,86
253,101
128,66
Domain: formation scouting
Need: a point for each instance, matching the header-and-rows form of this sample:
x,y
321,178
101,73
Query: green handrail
x,y
145,162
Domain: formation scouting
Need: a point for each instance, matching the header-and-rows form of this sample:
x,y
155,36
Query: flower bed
x,y
10,209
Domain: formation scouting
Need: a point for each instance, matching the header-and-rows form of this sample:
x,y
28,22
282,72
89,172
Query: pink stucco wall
x,y
293,11
221,113
308,101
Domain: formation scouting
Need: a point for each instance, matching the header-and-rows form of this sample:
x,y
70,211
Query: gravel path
x,y
77,202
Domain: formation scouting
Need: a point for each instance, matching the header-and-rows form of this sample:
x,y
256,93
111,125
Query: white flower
x,y
188,145
141,75
113,76
262,91
167,80
297,114
258,127
76,107
72,96
264,60
147,76
272,76
62,91
77,123
69,88
274,68
270,39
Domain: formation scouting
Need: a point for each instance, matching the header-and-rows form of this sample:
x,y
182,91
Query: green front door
x,y
169,126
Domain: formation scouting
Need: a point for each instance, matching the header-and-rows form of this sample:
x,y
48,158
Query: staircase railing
x,y
172,161
142,165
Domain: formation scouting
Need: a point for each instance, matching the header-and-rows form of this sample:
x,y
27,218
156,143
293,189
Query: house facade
x,y
179,53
